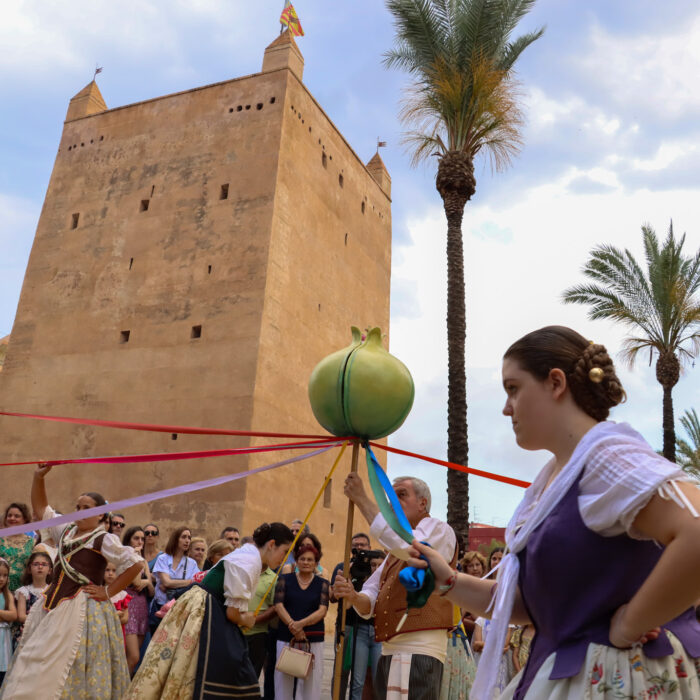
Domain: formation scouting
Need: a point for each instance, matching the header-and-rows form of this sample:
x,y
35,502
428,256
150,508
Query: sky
x,y
611,142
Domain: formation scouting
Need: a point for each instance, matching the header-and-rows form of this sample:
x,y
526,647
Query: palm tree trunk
x,y
668,426
457,444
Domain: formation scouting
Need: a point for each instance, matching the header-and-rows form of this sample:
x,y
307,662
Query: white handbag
x,y
295,662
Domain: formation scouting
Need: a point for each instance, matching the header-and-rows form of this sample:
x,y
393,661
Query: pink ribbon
x,y
156,495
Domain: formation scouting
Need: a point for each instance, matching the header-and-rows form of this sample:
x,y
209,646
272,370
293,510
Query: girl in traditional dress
x,y
198,650
8,614
35,580
604,497
72,646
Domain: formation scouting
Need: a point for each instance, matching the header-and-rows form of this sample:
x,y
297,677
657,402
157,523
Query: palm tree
x,y
689,452
660,306
463,100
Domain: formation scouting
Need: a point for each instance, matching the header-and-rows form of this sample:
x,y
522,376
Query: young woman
x,y
8,614
605,497
35,580
301,601
495,559
173,569
151,550
72,645
199,650
16,549
139,590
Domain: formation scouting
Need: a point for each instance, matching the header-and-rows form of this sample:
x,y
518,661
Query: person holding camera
x,y
420,644
359,632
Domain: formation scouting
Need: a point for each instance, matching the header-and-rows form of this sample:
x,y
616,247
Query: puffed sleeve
x,y
118,554
619,480
239,584
51,533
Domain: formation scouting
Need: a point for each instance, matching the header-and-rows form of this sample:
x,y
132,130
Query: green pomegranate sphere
x,y
361,391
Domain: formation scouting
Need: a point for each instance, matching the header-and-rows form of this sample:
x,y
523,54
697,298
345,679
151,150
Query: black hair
x,y
230,528
100,500
126,537
278,532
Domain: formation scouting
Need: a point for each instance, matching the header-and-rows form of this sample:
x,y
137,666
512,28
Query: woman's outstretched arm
x,y
38,496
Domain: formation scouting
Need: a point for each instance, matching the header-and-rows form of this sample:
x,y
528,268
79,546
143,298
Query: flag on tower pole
x,y
290,19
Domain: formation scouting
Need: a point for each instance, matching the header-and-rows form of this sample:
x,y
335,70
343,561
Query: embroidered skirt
x,y
74,652
195,653
619,673
460,669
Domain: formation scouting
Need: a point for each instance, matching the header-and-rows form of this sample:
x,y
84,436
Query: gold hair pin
x,y
596,375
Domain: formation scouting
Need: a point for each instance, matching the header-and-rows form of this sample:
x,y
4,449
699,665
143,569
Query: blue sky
x,y
611,142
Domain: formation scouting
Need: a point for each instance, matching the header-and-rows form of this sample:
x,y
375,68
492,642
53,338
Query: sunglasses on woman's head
x,y
151,533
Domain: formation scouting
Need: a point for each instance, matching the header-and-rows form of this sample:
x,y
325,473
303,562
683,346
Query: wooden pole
x,y
340,646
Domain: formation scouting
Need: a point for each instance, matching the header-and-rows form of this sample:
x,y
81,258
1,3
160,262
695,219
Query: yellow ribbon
x,y
301,530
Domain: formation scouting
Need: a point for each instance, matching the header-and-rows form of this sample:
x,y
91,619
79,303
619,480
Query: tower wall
x,y
274,274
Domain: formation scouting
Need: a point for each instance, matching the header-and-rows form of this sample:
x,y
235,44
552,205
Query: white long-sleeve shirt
x,y
441,538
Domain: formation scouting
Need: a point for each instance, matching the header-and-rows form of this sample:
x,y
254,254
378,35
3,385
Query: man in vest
x,y
413,657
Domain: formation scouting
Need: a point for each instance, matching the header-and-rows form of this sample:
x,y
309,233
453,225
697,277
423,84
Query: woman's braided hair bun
x,y
594,383
590,372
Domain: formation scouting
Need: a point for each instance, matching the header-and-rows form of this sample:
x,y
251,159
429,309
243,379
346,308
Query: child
x,y
35,580
8,614
120,600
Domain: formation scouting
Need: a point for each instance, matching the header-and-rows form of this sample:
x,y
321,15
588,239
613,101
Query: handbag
x,y
171,593
295,662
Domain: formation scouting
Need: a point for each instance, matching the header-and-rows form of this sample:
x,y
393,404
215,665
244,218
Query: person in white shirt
x,y
412,656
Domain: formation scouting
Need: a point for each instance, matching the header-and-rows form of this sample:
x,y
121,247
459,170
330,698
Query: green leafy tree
x,y
462,101
660,306
689,452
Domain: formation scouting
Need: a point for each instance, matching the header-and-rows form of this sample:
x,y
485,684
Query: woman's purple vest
x,y
573,580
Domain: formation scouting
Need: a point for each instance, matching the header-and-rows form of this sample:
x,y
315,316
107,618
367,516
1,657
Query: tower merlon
x,y
283,52
88,101
378,171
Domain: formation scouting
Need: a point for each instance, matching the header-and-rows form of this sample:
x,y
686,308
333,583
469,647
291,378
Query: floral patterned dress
x,y
16,550
75,649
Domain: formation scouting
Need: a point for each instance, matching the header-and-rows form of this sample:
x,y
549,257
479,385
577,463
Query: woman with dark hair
x,y
151,549
16,549
301,601
199,650
72,645
606,497
140,589
495,558
308,539
173,569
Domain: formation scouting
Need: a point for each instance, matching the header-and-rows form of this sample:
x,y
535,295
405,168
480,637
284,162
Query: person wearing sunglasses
x,y
151,550
117,523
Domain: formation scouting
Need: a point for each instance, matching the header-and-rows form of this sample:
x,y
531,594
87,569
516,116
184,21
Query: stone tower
x,y
197,254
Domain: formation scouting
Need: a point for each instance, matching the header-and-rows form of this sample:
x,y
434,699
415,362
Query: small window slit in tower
x,y
196,332
144,204
124,336
209,269
131,263
74,220
223,194
153,189
173,436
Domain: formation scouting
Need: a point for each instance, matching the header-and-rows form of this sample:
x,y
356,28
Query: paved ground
x,y
328,658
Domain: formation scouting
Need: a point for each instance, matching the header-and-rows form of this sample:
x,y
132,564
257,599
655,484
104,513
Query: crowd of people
x,y
101,608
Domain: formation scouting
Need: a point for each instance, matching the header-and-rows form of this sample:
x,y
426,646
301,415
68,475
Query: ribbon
x,y
174,456
155,496
303,525
451,465
155,428
386,498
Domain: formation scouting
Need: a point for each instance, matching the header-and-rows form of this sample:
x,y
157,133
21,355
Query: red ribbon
x,y
173,456
452,465
184,430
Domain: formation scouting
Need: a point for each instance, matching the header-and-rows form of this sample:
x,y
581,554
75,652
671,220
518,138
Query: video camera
x,y
360,565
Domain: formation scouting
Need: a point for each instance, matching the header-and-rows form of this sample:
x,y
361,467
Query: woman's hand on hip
x,y
96,592
620,635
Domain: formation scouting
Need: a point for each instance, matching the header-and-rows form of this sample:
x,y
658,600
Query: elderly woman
x,y
301,601
16,549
